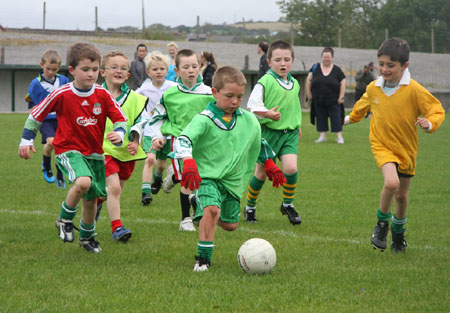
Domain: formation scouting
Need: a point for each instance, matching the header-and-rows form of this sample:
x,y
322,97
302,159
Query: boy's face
x,y
229,97
141,52
281,62
188,70
85,74
49,69
157,72
116,71
391,71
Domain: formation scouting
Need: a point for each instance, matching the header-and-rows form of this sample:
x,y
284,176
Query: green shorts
x,y
282,141
160,155
74,165
212,192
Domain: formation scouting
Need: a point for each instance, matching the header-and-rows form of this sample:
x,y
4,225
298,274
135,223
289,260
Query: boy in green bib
x,y
225,142
275,101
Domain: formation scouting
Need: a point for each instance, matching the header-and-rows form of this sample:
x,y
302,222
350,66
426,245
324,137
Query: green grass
x,y
324,265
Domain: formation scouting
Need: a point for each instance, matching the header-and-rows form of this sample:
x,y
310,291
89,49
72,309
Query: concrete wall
x,y
23,74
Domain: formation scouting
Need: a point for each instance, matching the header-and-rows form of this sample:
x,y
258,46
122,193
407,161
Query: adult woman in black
x,y
209,66
325,88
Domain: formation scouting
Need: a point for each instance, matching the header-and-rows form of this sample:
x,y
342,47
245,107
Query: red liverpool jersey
x,y
81,117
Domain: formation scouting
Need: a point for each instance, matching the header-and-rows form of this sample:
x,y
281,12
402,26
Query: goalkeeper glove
x,y
274,173
190,178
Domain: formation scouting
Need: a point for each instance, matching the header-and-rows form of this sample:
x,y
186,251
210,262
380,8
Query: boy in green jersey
x,y
222,129
120,161
275,101
176,109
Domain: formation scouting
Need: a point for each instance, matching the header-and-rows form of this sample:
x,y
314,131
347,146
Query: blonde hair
x,y
172,44
112,54
156,56
228,75
52,57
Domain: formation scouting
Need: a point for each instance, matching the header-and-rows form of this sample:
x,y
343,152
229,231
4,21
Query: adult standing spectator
x,y
325,88
138,70
263,65
172,49
363,78
209,65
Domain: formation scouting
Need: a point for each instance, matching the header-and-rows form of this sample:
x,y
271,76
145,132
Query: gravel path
x,y
431,70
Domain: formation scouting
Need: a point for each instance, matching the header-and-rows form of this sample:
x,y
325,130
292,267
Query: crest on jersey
x,y
97,109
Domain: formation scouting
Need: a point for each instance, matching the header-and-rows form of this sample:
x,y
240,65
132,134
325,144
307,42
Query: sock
x,y
86,230
67,212
384,216
47,162
146,188
59,174
156,176
289,188
397,224
185,205
253,190
205,249
116,224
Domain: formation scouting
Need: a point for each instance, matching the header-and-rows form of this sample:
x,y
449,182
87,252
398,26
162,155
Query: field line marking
x,y
280,232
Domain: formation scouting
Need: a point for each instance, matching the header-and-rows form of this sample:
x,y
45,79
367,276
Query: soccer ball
x,y
257,256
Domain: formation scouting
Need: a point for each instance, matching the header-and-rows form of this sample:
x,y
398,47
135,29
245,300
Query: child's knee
x,y
150,160
392,184
228,226
114,189
83,183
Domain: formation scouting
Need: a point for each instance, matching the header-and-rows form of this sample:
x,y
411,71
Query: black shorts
x,y
48,129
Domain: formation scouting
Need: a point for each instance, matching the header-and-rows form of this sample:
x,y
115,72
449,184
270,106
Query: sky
x,y
80,14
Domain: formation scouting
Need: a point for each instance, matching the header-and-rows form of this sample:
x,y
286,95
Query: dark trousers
x,y
325,111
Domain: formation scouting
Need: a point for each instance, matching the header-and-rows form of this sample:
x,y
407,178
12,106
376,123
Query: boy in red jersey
x,y
82,108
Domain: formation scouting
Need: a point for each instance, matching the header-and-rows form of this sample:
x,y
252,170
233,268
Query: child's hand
x,y
423,123
24,151
133,147
190,178
114,137
274,173
273,114
299,133
158,144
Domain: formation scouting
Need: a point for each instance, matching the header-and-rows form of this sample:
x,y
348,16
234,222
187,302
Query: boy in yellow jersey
x,y
399,104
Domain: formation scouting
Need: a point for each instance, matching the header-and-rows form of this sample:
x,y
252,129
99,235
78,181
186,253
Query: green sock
x,y
253,190
384,216
289,188
67,213
157,176
205,249
86,230
397,224
146,188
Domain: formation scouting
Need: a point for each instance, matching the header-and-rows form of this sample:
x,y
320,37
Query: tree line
x,y
425,24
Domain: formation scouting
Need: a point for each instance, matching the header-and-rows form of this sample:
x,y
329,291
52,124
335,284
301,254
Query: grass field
x,y
324,265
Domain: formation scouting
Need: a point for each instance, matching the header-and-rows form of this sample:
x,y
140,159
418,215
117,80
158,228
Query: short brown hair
x,y
279,44
80,51
52,57
329,50
397,49
183,53
112,54
228,75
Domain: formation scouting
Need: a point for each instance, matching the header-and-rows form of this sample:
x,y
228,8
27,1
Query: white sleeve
x,y
256,100
182,148
158,118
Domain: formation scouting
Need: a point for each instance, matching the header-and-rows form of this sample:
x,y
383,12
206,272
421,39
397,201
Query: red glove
x,y
190,177
274,173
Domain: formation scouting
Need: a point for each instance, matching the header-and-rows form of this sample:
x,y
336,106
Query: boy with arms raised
x,y
82,108
157,65
222,129
176,109
120,161
399,104
275,101
40,87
